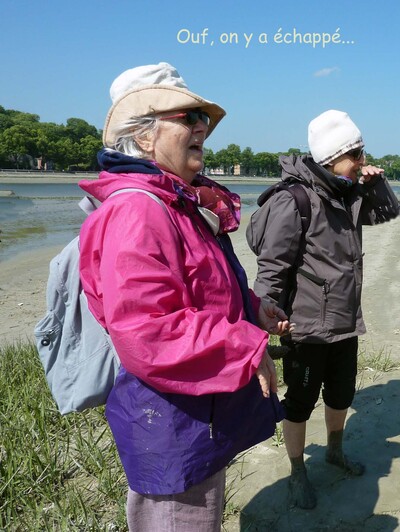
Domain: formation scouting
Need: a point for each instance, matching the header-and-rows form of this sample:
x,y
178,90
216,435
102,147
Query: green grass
x,y
56,472
62,473
379,360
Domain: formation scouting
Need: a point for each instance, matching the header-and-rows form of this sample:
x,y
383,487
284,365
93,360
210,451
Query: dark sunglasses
x,y
356,154
191,117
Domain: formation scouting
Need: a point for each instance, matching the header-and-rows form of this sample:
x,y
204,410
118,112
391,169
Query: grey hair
x,y
131,130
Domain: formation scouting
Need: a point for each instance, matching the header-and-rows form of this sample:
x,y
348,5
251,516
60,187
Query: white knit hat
x,y
332,134
151,89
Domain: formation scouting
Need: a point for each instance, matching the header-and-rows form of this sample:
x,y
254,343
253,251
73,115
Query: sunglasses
x,y
191,117
356,154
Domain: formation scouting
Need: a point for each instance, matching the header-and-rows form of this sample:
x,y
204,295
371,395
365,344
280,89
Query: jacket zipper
x,y
317,280
210,424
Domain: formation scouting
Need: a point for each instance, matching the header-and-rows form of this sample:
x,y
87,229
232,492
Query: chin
x,y
196,168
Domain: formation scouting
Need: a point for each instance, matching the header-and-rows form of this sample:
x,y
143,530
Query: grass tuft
x,y
57,472
377,361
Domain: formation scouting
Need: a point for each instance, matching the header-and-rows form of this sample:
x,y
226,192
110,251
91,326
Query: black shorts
x,y
306,367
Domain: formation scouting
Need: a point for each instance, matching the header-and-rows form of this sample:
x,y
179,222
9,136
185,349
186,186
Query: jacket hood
x,y
295,167
306,171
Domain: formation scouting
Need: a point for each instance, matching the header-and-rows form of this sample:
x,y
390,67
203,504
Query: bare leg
x,y
334,420
301,492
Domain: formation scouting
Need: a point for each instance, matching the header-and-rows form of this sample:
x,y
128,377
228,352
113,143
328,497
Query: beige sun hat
x,y
151,89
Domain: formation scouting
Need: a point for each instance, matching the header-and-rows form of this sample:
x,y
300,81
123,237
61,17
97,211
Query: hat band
x,y
358,144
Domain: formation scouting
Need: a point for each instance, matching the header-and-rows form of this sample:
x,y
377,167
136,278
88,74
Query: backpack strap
x,y
300,196
89,204
303,204
150,194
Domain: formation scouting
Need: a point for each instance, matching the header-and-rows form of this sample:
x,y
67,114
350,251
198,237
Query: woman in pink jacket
x,y
196,385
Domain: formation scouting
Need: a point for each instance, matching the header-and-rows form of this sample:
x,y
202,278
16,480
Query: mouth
x,y
197,145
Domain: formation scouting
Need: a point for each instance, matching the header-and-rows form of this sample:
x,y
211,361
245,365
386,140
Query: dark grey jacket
x,y
323,295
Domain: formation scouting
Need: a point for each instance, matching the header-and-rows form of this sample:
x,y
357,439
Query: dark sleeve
x,y
380,203
274,235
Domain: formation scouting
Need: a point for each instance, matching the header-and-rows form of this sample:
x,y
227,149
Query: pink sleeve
x,y
159,333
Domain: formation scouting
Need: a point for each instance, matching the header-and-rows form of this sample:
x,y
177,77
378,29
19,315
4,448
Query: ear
x,y
146,143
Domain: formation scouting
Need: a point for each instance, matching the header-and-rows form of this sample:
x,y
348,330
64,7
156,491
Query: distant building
x,y
214,171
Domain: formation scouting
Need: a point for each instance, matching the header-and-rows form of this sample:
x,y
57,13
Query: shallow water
x,y
38,216
44,215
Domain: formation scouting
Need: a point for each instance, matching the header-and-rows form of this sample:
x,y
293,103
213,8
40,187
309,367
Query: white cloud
x,y
326,72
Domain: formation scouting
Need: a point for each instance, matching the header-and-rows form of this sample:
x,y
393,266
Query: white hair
x,y
132,130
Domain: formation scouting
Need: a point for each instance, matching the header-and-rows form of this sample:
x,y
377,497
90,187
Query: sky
x,y
273,66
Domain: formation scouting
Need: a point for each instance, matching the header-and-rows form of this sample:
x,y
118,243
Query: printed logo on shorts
x,y
306,376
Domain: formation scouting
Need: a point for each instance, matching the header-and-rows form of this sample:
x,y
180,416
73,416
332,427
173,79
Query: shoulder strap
x,y
150,194
303,204
89,204
302,200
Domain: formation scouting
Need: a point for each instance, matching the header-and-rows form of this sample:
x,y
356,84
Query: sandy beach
x,y
259,482
23,282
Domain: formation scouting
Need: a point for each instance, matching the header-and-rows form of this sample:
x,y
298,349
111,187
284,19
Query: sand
x,y
371,502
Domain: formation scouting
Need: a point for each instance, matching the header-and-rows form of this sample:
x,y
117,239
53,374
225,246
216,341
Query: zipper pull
x,y
325,290
47,337
210,427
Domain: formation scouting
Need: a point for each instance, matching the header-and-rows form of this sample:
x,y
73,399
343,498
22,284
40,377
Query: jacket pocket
x,y
337,300
323,290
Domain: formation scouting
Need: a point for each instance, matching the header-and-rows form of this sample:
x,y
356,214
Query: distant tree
x,y
88,148
5,121
267,163
391,166
233,156
210,160
222,158
76,129
247,161
46,141
18,142
228,157
369,159
20,118
66,154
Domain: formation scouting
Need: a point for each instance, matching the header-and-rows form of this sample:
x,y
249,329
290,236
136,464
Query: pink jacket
x,y
161,285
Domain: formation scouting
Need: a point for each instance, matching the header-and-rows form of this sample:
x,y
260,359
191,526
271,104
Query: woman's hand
x,y
369,172
267,375
274,320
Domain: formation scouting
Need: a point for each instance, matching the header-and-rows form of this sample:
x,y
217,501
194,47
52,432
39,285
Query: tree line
x,y
267,164
25,140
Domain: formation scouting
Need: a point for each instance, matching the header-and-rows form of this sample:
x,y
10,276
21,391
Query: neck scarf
x,y
205,193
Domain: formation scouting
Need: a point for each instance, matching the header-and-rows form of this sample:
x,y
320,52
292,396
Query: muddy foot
x,y
301,492
341,460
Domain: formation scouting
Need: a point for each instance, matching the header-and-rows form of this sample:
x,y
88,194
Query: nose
x,y
200,127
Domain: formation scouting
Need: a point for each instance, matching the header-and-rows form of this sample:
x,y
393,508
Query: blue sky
x,y
58,60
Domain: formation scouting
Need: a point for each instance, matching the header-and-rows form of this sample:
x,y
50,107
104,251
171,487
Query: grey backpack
x,y
77,354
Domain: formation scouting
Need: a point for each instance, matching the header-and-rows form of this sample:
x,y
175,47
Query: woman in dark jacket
x,y
316,278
